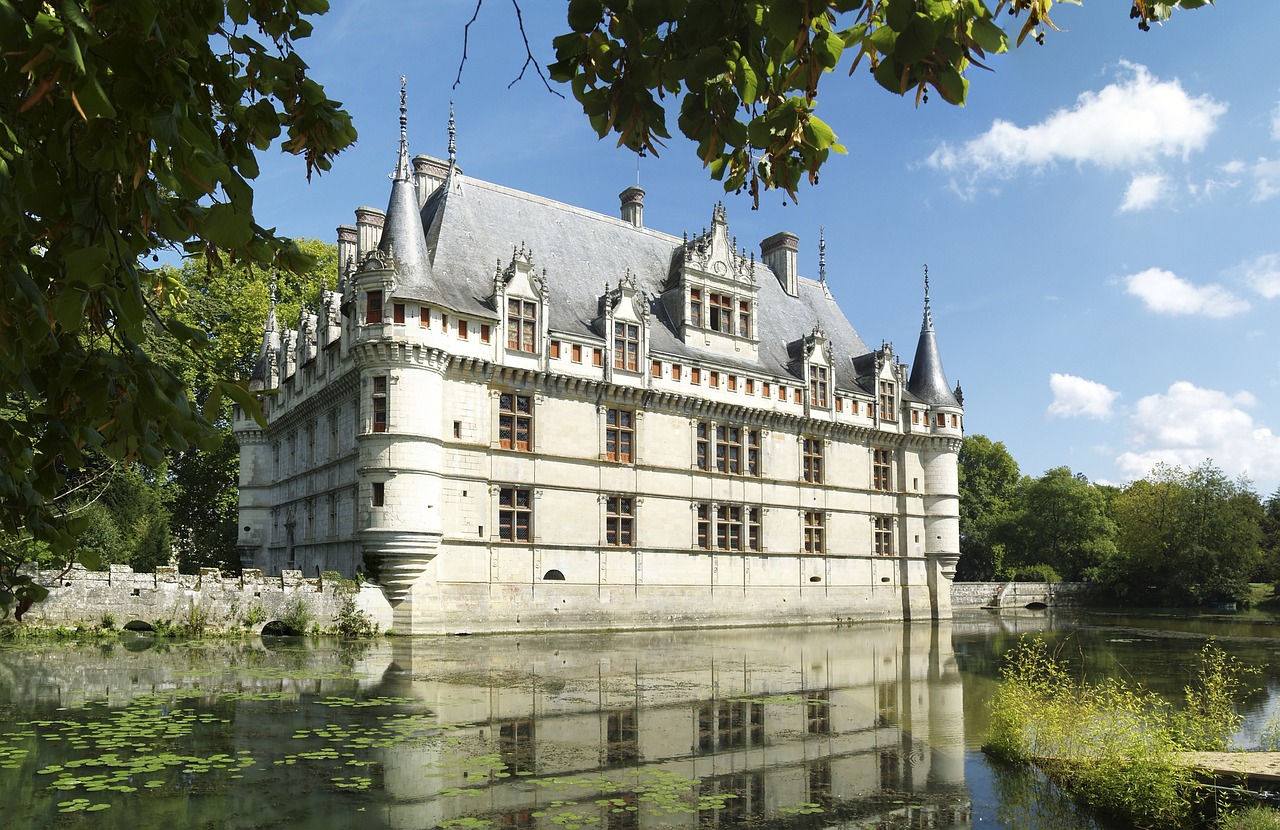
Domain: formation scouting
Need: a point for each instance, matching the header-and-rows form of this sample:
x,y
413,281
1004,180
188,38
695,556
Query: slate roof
x,y
928,381
472,226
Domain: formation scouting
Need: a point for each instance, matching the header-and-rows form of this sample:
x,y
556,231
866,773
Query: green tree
x,y
1059,520
1185,537
746,74
127,128
988,483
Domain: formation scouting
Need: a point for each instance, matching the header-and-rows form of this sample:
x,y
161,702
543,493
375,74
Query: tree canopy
x,y
746,74
127,128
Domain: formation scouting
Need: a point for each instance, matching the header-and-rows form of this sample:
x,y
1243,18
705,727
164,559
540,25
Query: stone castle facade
x,y
517,414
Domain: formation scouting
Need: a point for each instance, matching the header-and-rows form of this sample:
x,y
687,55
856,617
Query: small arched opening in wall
x,y
139,626
1036,606
553,575
277,628
815,579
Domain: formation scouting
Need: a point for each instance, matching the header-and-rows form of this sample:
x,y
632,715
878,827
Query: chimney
x,y
779,252
428,174
633,206
346,247
368,230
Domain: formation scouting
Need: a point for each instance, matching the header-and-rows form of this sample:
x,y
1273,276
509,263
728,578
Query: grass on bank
x,y
1114,745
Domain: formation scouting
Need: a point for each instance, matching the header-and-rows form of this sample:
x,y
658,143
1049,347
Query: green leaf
x,y
585,15
990,37
92,99
899,14
226,226
86,266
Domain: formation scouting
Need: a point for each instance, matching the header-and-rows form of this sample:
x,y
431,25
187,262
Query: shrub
x,y
296,615
1035,573
1113,745
352,622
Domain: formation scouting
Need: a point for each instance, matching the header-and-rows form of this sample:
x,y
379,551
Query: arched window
x,y
553,575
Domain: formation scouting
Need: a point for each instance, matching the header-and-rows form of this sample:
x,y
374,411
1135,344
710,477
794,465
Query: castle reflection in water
x,y
851,727
831,727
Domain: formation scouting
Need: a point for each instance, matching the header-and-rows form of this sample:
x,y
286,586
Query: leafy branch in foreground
x,y
127,128
746,74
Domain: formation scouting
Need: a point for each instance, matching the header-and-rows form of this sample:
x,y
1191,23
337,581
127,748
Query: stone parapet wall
x,y
980,594
249,601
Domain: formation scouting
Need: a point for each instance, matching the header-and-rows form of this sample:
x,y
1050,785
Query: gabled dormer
x,y
816,369
307,341
880,374
712,292
623,321
519,298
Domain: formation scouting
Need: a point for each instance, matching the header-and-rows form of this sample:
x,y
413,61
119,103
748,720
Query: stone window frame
x,y
732,449
819,386
812,455
620,435
626,346
882,535
814,526
515,514
522,325
882,470
620,521
728,527
380,402
515,421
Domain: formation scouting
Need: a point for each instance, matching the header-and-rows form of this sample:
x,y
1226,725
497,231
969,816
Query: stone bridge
x,y
118,597
1016,594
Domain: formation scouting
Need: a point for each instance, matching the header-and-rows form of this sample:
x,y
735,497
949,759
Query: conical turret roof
x,y
928,381
402,234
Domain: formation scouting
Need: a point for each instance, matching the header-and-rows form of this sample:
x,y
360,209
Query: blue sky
x,y
1099,221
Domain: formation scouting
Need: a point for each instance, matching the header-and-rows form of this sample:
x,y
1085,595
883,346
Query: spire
x,y
453,136
271,315
822,255
928,381
403,169
402,236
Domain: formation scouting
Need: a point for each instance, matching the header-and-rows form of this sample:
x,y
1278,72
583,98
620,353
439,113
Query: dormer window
x,y
886,401
373,307
720,312
818,386
744,318
626,346
695,307
522,325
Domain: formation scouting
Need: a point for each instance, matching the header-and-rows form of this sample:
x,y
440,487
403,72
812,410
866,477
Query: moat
x,y
856,726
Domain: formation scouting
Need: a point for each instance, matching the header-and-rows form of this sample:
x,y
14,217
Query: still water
x,y
868,726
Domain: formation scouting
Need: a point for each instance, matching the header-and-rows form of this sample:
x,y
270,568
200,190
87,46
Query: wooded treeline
x,y
1176,537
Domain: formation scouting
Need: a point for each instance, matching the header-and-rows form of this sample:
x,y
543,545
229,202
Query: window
x,y
751,386
941,419
813,460
955,421
424,317
555,348
727,527
619,434
733,383
379,495
676,371
715,380
766,389
619,521
515,514
597,357
731,445
695,307
522,325
796,395
333,435
728,449
884,536
915,416
515,421
626,346
813,532
782,393
373,307
720,312
695,376
655,368
839,404
397,312
379,398
486,333
462,329
882,470
886,401
744,318
818,386
444,322
577,353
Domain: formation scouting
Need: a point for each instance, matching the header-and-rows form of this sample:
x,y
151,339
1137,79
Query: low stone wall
x,y
248,601
1017,594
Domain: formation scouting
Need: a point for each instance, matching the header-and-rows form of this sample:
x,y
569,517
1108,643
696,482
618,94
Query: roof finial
x,y
822,254
402,163
271,315
453,134
928,313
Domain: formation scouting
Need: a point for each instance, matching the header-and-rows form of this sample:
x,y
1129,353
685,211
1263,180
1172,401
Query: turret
x,y
928,381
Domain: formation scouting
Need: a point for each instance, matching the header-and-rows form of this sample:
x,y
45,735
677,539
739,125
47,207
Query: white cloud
x,y
1275,123
1188,424
1123,124
1144,191
1262,274
1075,397
1164,292
1266,179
